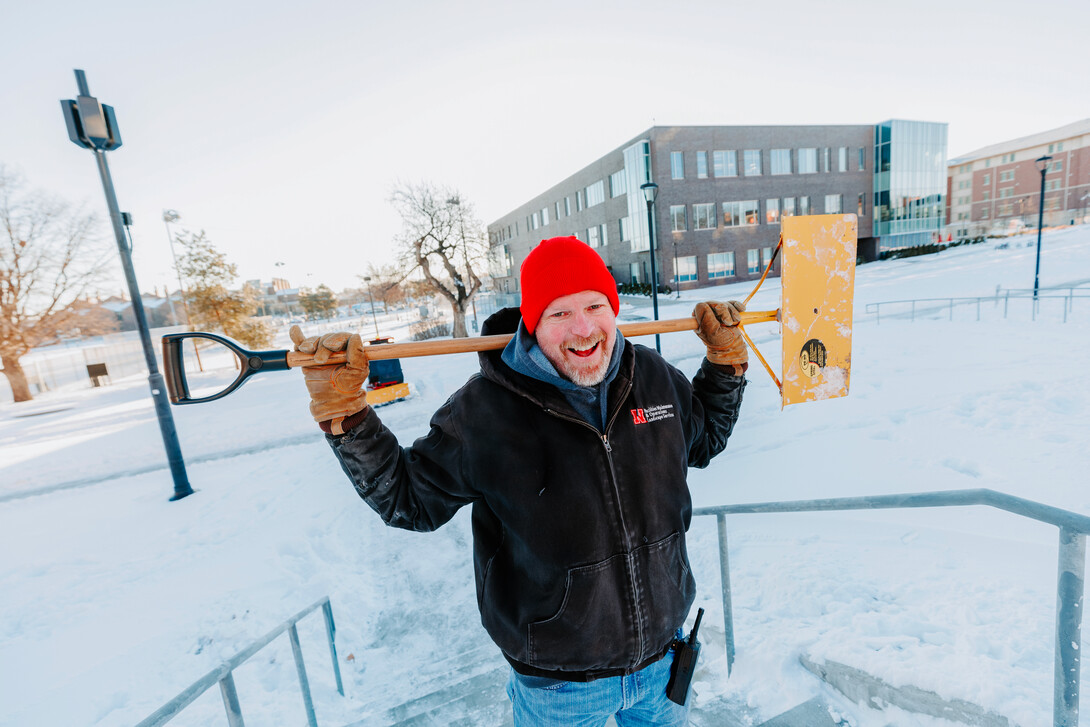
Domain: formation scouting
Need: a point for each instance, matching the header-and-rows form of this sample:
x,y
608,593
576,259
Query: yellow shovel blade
x,y
818,282
387,394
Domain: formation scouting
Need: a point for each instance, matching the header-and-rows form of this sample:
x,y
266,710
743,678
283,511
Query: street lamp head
x,y
650,191
1042,163
171,216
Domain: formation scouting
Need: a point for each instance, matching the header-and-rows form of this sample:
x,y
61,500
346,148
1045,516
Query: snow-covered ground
x,y
113,599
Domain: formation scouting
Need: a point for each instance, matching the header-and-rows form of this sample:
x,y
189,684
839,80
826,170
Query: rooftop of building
x,y
1078,128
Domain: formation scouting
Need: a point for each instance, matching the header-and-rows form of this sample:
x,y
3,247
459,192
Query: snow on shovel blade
x,y
818,283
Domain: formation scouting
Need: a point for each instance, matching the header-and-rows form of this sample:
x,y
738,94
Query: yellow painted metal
x,y
818,283
387,394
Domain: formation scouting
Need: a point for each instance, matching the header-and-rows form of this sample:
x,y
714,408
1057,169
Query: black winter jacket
x,y
579,535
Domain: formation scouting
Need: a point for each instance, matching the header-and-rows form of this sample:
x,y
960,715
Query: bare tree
x,y
442,237
50,261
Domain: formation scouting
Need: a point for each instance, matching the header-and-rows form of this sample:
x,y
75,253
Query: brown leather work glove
x,y
336,390
717,326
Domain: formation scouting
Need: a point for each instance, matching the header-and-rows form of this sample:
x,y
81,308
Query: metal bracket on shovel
x,y
817,280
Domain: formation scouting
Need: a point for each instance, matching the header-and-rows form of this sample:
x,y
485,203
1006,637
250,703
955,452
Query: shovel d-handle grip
x,y
492,343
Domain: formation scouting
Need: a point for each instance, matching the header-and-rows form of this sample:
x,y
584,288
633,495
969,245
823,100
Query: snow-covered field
x,y
112,599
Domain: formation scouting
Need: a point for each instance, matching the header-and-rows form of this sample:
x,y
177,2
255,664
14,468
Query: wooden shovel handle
x,y
492,343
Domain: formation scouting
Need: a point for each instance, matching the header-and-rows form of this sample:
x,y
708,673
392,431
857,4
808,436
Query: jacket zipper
x,y
620,512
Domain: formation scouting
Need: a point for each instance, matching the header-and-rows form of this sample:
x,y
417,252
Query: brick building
x,y
997,189
722,191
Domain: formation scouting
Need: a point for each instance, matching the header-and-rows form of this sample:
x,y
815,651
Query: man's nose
x,y
582,325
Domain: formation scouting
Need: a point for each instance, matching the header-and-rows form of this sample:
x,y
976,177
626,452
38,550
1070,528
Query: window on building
x,y
807,160
753,262
987,163
625,225
1053,184
704,216
678,218
987,195
984,213
788,206
804,205
861,205
725,163
1056,165
596,193
1007,176
617,184
720,265
556,210
535,221
833,204
828,157
544,216
842,159
1006,192
634,272
766,257
772,211
741,214
751,162
702,165
965,168
685,269
987,179
677,165
862,164
604,234
781,161
579,200
1052,203
592,237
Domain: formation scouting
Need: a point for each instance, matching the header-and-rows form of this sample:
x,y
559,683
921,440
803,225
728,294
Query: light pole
x,y
650,191
92,125
1042,166
370,295
168,217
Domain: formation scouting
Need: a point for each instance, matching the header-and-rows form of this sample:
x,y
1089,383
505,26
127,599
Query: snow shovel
x,y
818,275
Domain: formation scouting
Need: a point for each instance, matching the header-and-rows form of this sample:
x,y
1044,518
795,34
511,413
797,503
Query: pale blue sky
x,y
280,128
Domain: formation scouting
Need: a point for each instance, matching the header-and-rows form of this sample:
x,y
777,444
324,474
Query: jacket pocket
x,y
668,587
588,631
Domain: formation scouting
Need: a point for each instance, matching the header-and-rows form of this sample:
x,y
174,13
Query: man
x,y
572,446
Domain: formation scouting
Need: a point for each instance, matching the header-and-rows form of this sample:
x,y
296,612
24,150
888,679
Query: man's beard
x,y
581,375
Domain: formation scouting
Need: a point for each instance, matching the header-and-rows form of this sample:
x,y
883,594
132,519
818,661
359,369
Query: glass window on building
x,y
781,161
567,206
579,200
766,257
678,218
508,261
702,165
772,211
807,160
833,204
677,165
617,184
544,216
788,206
556,210
862,163
535,220
804,205
596,193
592,236
725,163
842,159
625,225
753,262
685,269
634,272
720,265
987,179
751,160
827,155
1055,166
704,216
910,183
741,214
861,205
604,233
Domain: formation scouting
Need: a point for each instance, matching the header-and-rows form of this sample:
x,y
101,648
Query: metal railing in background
x,y
1073,529
909,308
223,674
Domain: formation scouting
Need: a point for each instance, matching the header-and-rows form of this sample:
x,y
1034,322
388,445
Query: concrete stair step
x,y
814,713
474,700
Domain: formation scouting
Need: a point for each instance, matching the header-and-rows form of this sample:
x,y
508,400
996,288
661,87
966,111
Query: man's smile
x,y
587,351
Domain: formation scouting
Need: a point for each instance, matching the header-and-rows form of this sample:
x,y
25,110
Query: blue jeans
x,y
636,700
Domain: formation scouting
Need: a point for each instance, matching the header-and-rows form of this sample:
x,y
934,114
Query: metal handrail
x,y
223,673
1070,579
949,302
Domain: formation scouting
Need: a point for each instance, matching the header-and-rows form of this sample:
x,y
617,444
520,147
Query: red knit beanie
x,y
562,266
